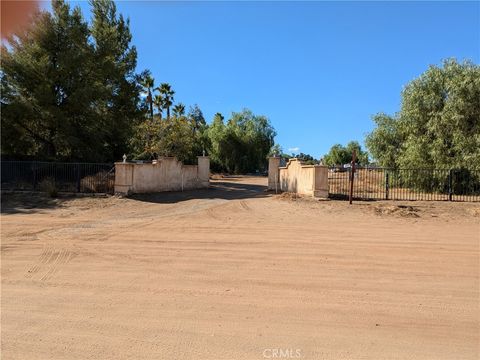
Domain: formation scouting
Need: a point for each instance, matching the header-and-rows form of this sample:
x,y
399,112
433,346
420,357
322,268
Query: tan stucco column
x,y
321,182
123,177
273,165
204,170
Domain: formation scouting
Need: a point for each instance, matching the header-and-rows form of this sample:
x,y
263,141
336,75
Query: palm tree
x,y
167,92
179,109
158,102
147,82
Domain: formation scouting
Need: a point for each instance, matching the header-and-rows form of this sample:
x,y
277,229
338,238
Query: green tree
x,y
148,85
196,115
275,150
115,62
158,102
179,109
243,143
48,89
438,125
384,142
167,93
215,134
68,91
340,155
175,138
307,159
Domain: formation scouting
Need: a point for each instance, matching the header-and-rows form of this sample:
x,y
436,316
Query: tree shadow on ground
x,y
226,190
30,202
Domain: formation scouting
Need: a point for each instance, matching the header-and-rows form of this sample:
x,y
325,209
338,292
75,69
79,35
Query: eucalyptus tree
x,y
438,124
196,115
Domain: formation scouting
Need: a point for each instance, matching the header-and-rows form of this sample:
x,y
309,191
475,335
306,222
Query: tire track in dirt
x,y
62,258
42,259
244,205
54,255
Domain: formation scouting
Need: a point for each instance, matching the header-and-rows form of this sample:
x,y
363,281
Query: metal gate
x,y
375,183
64,177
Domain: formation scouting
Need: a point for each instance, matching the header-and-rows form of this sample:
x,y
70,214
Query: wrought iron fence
x,y
64,177
405,184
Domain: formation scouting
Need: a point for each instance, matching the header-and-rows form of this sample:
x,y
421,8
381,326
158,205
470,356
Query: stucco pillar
x,y
321,182
204,170
273,165
123,177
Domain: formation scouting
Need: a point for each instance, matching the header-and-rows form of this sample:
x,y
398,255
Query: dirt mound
x,y
397,210
288,196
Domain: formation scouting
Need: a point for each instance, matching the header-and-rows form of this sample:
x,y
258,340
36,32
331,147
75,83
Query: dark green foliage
x,y
242,144
115,61
307,159
68,90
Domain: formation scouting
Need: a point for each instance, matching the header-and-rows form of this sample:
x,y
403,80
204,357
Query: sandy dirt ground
x,y
234,272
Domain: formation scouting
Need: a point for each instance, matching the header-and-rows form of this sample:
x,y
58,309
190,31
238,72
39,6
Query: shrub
x,y
48,185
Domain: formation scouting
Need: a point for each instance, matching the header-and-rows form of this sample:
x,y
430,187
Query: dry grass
x,y
101,182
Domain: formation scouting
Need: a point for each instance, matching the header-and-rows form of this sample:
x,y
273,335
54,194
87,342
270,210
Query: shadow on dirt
x,y
30,202
229,189
226,190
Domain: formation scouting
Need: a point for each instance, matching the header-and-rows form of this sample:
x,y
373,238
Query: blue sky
x,y
318,70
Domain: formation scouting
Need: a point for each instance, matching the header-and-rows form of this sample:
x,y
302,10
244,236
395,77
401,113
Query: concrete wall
x,y
166,174
311,180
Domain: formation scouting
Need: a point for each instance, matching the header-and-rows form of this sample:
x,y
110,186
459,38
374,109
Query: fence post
x,y
450,187
354,158
34,176
387,186
78,178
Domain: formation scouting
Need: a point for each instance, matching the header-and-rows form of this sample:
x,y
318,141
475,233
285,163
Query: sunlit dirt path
x,y
235,272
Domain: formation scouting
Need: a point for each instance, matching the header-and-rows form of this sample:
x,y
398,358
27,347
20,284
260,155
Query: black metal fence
x,y
406,184
63,177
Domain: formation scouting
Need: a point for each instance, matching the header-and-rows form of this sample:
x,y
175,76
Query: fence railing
x,y
64,177
406,184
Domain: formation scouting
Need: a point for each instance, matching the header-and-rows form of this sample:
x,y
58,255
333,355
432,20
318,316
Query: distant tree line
x,y
341,155
70,92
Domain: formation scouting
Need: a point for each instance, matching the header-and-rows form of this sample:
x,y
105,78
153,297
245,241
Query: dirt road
x,y
237,273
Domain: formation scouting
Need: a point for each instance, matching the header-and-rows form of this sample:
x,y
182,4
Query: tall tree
x,y
196,115
148,84
438,124
115,62
167,94
49,89
69,91
241,145
158,102
340,155
179,109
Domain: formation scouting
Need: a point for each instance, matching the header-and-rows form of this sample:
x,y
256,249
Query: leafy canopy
x,y
438,125
68,89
